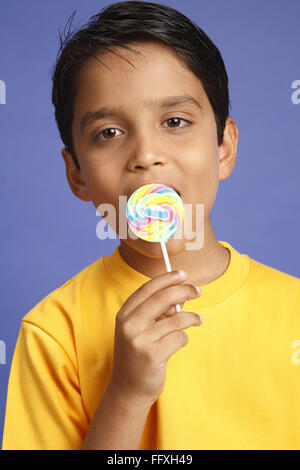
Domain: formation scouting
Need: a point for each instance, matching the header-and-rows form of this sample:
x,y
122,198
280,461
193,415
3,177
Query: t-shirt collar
x,y
213,293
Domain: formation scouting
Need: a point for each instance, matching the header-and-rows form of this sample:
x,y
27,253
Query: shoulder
x,y
269,273
274,281
60,312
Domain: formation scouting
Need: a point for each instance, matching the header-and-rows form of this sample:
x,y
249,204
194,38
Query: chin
x,y
153,250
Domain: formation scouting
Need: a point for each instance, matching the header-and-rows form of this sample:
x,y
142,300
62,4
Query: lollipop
x,y
154,213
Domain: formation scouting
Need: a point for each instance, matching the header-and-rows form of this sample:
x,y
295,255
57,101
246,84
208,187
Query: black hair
x,y
123,23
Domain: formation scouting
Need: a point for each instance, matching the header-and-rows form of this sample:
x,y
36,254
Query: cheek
x,y
102,183
212,178
100,191
203,180
203,172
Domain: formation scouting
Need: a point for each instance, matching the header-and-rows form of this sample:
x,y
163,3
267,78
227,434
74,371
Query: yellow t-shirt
x,y
236,385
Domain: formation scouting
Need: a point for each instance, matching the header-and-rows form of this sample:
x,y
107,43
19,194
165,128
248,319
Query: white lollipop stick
x,y
168,266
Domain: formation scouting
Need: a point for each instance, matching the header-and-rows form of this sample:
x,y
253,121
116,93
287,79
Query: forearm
x,y
118,423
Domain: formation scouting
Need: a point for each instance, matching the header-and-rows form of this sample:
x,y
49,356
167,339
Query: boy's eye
x,y
109,135
176,119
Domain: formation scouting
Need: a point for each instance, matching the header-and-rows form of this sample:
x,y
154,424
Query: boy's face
x,y
145,143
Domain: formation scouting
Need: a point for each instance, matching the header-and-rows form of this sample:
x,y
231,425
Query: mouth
x,y
155,182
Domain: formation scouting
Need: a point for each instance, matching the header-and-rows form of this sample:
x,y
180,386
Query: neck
x,y
202,266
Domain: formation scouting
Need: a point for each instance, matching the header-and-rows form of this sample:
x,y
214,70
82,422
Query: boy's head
x,y
130,57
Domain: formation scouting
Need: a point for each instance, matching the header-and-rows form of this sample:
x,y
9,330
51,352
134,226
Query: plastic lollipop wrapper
x,y
155,213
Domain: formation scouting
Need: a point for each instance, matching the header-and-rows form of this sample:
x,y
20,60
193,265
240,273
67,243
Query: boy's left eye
x,y
170,119
176,118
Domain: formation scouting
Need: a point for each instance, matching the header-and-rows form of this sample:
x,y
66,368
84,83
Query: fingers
x,y
149,288
169,344
161,301
179,321
170,311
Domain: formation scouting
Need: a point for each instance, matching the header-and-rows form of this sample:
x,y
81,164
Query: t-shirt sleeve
x,y
44,409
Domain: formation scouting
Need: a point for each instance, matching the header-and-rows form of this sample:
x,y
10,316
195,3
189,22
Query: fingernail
x,y
181,273
198,289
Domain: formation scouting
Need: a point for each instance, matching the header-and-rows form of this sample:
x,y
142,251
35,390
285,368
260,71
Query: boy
x,y
90,365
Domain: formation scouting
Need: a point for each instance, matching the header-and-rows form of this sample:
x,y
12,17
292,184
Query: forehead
x,y
151,59
155,72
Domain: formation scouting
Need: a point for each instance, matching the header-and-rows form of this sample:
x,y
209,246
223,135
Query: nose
x,y
146,153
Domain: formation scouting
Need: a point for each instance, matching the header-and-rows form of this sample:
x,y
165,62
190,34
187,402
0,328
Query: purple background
x,y
48,235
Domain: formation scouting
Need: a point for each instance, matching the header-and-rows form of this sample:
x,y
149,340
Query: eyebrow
x,y
165,102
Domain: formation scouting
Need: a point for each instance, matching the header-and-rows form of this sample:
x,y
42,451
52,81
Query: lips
x,y
155,182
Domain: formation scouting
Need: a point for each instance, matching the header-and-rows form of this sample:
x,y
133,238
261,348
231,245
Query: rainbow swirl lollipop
x,y
155,212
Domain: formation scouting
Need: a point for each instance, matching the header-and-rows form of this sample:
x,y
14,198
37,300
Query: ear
x,y
75,177
228,149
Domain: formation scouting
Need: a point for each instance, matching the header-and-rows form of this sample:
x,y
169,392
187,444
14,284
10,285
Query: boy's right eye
x,y
104,130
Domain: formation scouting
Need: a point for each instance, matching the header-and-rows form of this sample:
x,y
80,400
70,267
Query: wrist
x,y
128,400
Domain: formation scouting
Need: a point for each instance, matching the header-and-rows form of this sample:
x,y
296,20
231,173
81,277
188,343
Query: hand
x,y
148,332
